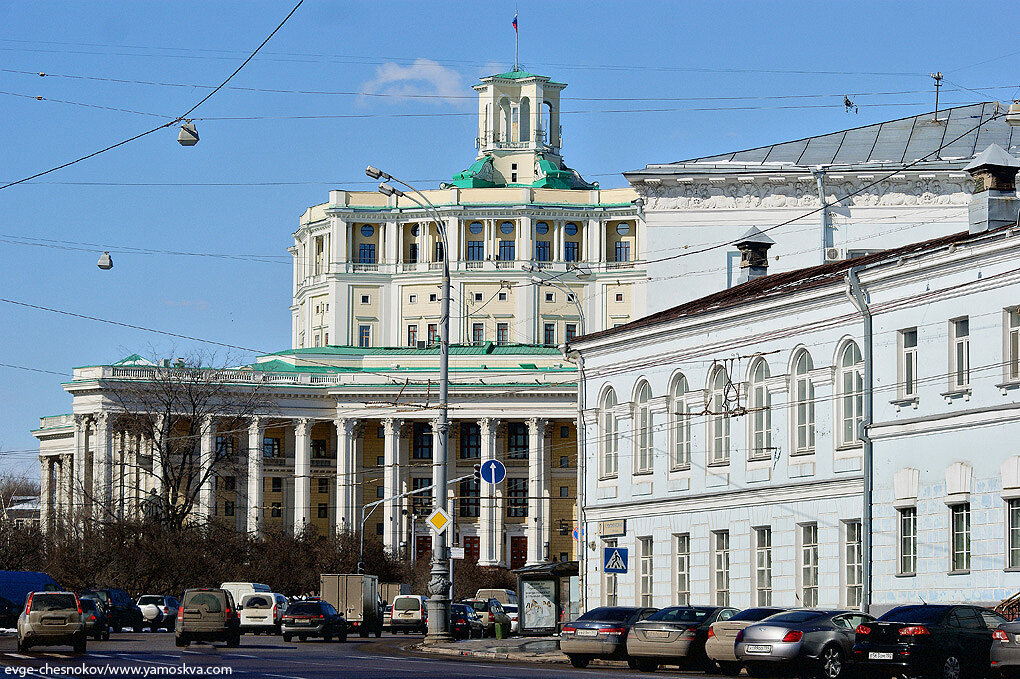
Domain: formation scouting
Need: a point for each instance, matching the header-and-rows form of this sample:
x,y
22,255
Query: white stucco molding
x,y
958,483
905,487
1010,471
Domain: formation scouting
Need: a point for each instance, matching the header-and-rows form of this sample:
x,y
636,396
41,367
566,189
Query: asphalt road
x,y
154,655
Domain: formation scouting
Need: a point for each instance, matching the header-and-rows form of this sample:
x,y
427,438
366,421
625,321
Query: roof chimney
x,y
994,203
754,254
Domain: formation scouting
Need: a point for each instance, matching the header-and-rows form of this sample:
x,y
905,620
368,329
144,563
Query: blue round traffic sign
x,y
493,471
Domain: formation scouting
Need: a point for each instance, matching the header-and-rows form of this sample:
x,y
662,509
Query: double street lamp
x,y
438,605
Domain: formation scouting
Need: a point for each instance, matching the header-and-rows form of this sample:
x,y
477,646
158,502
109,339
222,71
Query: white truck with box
x,y
357,599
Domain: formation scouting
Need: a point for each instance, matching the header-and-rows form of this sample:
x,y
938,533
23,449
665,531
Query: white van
x,y
262,613
239,589
503,596
408,614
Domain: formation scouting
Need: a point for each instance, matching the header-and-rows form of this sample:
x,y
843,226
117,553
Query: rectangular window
x,y
549,334
224,446
421,503
320,450
433,334
501,296
506,251
517,497
622,251
564,462
959,358
364,335
1013,531
502,333
477,333
228,508
960,542
565,492
609,583
437,251
421,441
475,250
569,332
721,567
276,484
908,363
469,502
854,563
550,296
809,565
277,510
1013,344
412,299
542,251
763,565
908,541
412,253
470,441
271,447
366,253
366,299
682,559
433,297
570,251
380,492
323,510
517,440
323,486
645,564
412,335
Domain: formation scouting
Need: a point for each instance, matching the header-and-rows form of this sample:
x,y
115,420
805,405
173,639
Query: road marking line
x,y
240,655
20,655
282,676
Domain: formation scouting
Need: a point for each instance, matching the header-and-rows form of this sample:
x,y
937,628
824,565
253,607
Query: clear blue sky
x,y
239,192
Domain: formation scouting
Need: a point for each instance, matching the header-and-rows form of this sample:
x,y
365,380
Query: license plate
x,y
875,655
758,648
587,632
302,622
657,634
1017,638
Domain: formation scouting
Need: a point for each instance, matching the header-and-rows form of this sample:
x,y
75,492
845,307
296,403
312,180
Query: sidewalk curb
x,y
489,655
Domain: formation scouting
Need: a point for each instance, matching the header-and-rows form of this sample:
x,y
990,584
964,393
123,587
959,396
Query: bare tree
x,y
14,485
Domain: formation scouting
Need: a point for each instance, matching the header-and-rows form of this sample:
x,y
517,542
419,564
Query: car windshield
x,y
480,606
796,616
150,600
755,614
304,608
256,601
929,614
679,614
407,604
96,594
53,602
610,614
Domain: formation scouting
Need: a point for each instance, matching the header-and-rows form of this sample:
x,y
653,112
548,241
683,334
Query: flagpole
x,y
517,41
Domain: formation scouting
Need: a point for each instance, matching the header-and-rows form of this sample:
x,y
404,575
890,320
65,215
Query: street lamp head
x,y
1013,116
388,190
105,261
536,280
376,173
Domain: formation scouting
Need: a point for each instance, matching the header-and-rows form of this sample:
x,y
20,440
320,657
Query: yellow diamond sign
x,y
439,520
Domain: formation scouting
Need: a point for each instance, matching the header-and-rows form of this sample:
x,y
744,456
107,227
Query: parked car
x,y
491,612
503,596
1005,652
674,636
262,613
313,619
722,635
600,633
239,589
807,640
52,619
513,612
408,614
124,612
943,641
97,622
9,612
464,622
208,614
159,611
387,617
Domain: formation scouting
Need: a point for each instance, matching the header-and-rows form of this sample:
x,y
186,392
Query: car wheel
x,y
646,664
287,637
181,642
632,663
106,634
730,669
137,628
234,641
952,668
22,645
327,638
342,637
831,663
579,661
80,644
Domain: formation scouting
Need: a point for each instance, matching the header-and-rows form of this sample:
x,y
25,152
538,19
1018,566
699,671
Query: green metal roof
x,y
455,350
516,74
475,177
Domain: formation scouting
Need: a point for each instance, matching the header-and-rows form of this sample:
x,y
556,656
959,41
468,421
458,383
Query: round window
x,y
571,229
542,228
623,228
414,230
506,227
475,228
367,230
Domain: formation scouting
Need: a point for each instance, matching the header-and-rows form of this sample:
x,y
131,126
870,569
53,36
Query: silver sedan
x,y
1005,653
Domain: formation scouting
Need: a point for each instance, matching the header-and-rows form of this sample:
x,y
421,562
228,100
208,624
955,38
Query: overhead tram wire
x,y
179,118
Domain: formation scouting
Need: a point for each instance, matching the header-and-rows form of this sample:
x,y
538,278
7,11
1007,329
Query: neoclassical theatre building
x,y
537,254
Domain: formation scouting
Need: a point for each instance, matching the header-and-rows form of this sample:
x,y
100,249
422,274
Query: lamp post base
x,y
438,605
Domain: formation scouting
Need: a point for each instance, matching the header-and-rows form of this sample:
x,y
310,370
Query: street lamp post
x,y
439,583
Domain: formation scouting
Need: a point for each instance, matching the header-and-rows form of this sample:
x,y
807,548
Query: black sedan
x,y
465,623
942,641
674,636
313,619
808,640
600,633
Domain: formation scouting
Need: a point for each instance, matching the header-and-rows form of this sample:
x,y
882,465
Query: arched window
x,y
680,425
719,419
759,404
803,404
525,126
850,400
643,419
610,442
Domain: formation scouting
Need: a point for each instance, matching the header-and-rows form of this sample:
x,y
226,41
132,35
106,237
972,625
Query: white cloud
x,y
424,80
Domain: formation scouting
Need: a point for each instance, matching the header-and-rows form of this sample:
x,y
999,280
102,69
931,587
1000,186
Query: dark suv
x,y
122,610
305,619
208,614
941,641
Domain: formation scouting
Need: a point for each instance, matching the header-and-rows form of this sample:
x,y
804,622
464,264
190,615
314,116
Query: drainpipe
x,y
819,174
858,299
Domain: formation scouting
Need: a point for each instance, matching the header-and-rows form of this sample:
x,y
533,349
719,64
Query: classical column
x,y
256,429
391,483
490,538
77,476
60,500
538,477
346,513
302,473
207,478
45,490
102,462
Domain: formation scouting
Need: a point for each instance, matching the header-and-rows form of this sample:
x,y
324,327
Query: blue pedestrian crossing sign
x,y
614,559
493,471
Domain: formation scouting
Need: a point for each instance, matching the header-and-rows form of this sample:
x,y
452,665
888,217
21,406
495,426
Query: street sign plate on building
x,y
439,520
456,552
613,528
493,471
614,559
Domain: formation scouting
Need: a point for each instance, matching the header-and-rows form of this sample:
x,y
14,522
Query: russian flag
x,y
515,22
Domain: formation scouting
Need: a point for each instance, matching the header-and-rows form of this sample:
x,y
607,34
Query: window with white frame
x,y
680,426
907,377
682,559
645,565
610,440
1013,344
609,582
959,526
809,564
854,563
908,541
959,354
763,565
721,567
719,420
1013,533
643,460
851,394
760,407
803,404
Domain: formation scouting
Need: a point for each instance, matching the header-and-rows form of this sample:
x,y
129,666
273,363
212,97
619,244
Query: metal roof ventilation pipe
x,y
754,254
994,203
